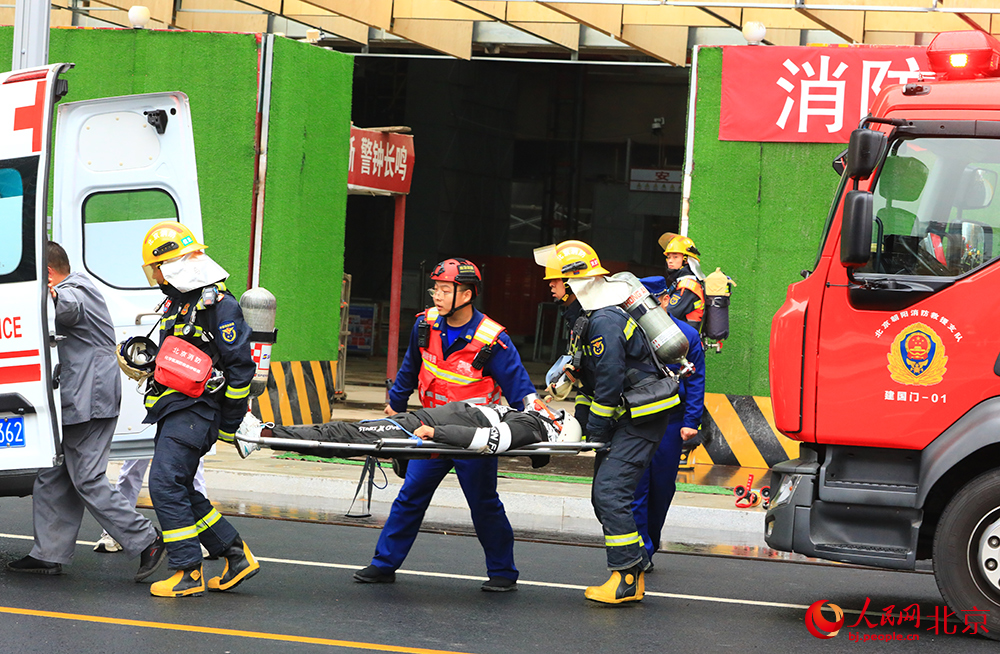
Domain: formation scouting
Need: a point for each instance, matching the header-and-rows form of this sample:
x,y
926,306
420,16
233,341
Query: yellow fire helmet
x,y
675,243
568,260
164,241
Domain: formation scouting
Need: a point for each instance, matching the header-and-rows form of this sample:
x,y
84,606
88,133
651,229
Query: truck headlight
x,y
785,489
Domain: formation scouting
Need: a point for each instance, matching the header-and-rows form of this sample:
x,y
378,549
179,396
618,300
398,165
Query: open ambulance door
x,y
121,166
30,436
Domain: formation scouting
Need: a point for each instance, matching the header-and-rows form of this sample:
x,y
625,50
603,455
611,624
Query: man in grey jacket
x,y
90,387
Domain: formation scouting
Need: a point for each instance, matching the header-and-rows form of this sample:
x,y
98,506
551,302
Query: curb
x,y
552,509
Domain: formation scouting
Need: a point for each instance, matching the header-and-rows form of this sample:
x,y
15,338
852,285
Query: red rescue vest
x,y
454,379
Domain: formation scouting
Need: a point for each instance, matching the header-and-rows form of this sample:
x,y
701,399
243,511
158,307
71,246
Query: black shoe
x,y
33,565
152,557
374,575
499,585
649,567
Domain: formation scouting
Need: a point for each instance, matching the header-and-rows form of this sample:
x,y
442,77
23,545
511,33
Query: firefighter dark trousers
x,y
657,486
616,474
186,516
478,479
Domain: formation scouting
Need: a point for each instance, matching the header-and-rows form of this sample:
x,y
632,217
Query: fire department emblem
x,y
916,356
228,331
597,346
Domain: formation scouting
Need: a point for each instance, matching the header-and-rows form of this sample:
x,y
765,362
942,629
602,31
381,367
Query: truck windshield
x,y
935,207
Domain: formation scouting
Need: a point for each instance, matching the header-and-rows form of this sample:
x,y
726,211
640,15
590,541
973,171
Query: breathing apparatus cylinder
x,y
259,308
665,337
718,287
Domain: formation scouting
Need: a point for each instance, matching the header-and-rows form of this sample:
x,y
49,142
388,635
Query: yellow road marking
x,y
260,635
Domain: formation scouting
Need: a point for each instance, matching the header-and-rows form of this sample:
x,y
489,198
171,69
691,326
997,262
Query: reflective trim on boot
x,y
240,565
623,586
183,583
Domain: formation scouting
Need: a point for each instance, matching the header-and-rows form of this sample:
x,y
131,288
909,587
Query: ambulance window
x,y
935,208
114,225
17,219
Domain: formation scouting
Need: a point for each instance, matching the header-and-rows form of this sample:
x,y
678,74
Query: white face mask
x,y
192,271
599,292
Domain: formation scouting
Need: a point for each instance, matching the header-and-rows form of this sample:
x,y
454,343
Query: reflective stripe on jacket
x,y
442,380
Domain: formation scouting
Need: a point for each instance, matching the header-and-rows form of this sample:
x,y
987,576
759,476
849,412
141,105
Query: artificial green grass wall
x,y
757,210
305,202
218,72
306,184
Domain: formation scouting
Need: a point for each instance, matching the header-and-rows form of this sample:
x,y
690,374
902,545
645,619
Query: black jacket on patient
x,y
489,429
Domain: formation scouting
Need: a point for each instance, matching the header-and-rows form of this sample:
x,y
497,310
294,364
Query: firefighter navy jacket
x,y
615,356
229,347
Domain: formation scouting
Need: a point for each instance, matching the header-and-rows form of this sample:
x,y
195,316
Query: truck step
x,y
862,548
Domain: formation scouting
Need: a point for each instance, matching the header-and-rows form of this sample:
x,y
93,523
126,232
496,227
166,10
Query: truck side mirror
x,y
864,152
856,229
976,188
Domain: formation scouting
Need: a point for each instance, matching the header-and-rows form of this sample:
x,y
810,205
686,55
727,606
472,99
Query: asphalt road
x,y
304,600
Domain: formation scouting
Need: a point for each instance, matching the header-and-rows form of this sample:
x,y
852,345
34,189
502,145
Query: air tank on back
x,y
665,337
259,309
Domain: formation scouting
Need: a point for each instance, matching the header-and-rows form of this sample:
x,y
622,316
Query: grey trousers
x,y
63,492
132,472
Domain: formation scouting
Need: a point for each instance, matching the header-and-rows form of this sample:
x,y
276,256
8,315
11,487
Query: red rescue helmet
x,y
459,271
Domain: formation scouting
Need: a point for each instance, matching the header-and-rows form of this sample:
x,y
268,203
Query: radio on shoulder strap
x,y
423,334
483,357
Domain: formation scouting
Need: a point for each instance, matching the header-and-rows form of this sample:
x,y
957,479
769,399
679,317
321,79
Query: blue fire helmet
x,y
656,286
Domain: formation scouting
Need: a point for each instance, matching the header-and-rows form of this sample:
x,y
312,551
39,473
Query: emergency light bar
x,y
964,55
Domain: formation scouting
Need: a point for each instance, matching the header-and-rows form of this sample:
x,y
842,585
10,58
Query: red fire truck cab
x,y
885,359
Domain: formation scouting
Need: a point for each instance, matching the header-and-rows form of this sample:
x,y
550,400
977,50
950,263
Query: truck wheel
x,y
967,551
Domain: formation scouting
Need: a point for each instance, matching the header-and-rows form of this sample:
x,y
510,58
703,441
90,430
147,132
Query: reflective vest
x,y
691,283
454,379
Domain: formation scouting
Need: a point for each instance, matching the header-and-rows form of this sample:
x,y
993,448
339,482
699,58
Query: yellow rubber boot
x,y
240,566
623,586
183,583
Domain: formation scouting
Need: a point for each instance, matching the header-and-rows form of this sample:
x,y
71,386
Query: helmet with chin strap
x,y
458,271
566,427
137,357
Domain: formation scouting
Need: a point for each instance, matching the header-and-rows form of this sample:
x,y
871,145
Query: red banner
x,y
380,163
808,94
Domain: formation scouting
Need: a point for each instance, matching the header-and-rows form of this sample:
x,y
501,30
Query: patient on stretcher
x,y
483,429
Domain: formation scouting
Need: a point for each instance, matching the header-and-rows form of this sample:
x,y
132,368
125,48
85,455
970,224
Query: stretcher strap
x,y
371,464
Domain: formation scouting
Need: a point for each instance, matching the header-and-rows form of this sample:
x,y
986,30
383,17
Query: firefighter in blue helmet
x,y
657,486
204,319
623,400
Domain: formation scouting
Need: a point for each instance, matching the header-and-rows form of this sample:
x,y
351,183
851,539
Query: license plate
x,y
12,432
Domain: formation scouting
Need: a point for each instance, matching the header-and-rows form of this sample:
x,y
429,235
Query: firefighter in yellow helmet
x,y
202,325
611,359
684,279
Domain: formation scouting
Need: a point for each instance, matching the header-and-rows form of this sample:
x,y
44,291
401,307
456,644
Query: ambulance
x,y
885,359
120,165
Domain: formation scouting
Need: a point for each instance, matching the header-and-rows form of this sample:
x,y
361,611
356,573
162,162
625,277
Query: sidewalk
x,y
549,509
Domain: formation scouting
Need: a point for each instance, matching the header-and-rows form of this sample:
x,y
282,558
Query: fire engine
x,y
885,359
121,165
